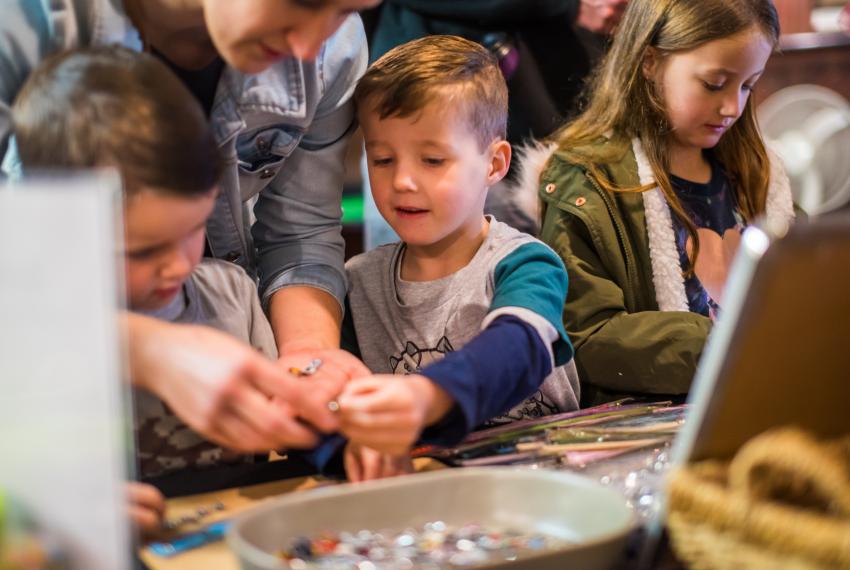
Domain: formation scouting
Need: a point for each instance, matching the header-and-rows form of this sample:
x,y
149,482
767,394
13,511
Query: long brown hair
x,y
624,104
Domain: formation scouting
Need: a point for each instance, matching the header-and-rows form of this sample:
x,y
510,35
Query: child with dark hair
x,y
112,107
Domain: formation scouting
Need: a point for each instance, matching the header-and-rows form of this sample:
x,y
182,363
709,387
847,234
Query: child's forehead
x,y
440,113
420,132
732,47
441,100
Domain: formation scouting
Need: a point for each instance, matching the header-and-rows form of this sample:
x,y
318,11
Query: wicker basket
x,y
783,502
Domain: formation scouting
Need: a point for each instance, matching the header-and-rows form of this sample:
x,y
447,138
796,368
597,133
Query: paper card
x,y
63,428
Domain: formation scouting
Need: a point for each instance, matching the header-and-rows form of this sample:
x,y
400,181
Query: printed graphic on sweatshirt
x,y
412,359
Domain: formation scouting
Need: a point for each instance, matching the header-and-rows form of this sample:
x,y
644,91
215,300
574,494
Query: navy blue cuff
x,y
326,457
495,371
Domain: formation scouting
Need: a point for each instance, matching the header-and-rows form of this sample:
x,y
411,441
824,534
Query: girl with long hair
x,y
645,194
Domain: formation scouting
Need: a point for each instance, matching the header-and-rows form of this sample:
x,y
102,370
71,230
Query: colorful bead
x,y
435,545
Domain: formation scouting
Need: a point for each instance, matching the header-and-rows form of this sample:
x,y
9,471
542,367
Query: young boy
x,y
109,106
465,306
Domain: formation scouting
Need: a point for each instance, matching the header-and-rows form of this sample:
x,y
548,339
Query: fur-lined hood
x,y
666,270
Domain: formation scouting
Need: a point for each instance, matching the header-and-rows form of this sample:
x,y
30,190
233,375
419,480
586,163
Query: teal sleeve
x,y
533,277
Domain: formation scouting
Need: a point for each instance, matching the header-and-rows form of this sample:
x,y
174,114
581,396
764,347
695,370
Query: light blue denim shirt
x,y
283,134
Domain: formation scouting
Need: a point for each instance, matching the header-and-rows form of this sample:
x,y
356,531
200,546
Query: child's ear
x,y
500,161
650,63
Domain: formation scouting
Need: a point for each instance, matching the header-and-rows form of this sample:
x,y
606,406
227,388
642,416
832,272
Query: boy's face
x,y
164,238
429,176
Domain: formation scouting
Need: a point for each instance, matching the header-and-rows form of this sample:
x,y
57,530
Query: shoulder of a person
x,y
505,236
567,182
346,47
507,241
223,277
370,260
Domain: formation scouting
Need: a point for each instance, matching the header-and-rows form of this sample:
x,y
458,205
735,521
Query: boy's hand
x,y
388,412
364,463
146,507
222,388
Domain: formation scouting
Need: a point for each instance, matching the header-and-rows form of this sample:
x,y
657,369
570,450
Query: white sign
x,y
64,433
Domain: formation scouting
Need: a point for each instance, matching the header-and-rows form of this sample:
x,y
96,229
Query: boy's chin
x,y
153,302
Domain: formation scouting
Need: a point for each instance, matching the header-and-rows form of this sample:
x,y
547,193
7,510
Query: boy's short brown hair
x,y
405,79
110,106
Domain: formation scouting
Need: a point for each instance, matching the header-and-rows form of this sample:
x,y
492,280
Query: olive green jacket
x,y
624,344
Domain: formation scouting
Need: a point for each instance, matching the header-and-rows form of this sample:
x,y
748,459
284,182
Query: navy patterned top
x,y
712,206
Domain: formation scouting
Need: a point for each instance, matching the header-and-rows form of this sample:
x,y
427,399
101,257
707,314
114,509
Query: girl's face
x,y
251,35
705,90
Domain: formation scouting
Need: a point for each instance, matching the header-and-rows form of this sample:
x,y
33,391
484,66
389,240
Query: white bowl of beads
x,y
474,517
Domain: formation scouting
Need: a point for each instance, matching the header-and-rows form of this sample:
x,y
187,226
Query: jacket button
x,y
232,256
549,188
263,145
580,201
266,173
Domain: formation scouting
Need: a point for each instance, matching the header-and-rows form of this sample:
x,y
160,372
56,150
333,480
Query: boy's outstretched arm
x,y
523,338
497,369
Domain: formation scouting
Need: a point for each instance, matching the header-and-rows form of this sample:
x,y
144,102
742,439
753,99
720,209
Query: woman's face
x,y
251,35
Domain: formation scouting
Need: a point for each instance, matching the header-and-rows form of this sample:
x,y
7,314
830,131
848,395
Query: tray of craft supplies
x,y
498,517
570,439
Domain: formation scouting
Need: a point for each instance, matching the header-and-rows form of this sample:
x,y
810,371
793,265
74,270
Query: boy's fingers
x,y
373,402
146,496
147,520
351,461
389,420
371,465
361,386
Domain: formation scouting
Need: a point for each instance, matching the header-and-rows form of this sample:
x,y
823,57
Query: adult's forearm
x,y
304,318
